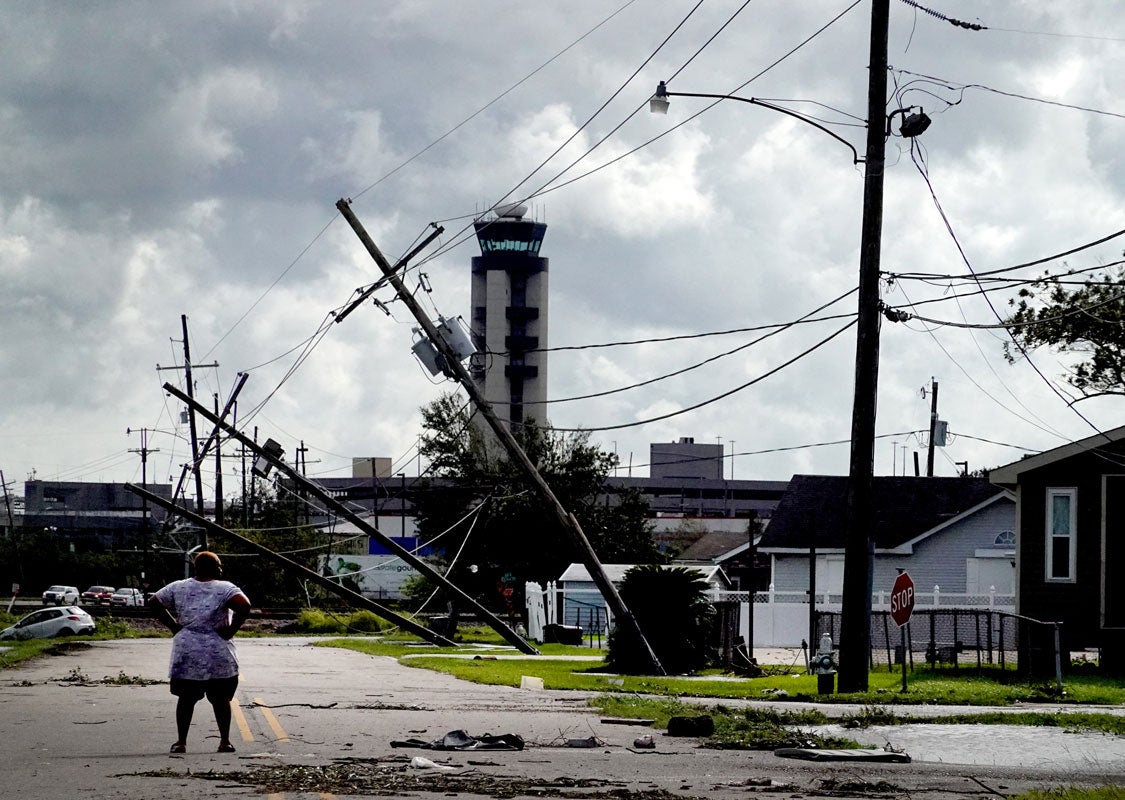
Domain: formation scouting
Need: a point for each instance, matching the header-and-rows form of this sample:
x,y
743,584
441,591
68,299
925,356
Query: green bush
x,y
313,620
673,613
365,621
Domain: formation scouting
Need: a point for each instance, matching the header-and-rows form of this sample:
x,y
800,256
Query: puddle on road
x,y
993,745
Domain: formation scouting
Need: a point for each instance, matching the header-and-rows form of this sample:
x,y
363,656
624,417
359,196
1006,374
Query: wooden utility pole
x,y
194,438
12,532
219,512
7,503
455,369
855,623
143,451
195,456
933,429
301,456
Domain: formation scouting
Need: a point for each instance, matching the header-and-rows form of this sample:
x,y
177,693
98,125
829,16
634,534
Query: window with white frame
x,y
1061,527
1005,539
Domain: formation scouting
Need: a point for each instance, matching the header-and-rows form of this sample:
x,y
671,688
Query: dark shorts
x,y
217,690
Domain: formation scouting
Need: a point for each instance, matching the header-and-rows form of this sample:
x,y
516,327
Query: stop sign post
x,y
902,606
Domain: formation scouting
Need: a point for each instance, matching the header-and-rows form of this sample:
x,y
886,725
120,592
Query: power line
x,y
705,109
716,398
553,185
956,86
496,99
650,381
1019,345
973,276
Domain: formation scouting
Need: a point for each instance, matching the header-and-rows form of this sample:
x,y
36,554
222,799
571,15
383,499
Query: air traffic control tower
x,y
509,320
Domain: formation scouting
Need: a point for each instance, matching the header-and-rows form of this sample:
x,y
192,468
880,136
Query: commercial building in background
x,y
685,459
509,316
90,515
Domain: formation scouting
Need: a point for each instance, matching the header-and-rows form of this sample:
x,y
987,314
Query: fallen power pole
x,y
455,369
317,491
355,597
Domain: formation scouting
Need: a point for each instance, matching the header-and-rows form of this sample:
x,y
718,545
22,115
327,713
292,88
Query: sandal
x,y
178,747
226,747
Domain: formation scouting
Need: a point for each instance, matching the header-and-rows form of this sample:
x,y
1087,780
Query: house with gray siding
x,y
955,536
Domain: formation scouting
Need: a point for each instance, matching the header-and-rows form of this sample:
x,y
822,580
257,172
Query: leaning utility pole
x,y
194,437
303,483
455,369
855,608
433,637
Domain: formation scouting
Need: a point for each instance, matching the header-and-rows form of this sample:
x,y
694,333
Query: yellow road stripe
x,y
240,721
271,720
275,796
326,796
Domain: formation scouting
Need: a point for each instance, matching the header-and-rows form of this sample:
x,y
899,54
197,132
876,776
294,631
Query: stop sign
x,y
902,599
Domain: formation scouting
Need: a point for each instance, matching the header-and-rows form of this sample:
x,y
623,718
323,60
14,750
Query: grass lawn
x,y
1064,793
659,698
930,687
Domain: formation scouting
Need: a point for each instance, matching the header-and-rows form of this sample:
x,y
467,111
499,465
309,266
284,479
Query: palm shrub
x,y
672,610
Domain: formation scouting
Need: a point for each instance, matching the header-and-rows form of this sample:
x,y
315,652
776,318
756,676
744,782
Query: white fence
x,y
781,619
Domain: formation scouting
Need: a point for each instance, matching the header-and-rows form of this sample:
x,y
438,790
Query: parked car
x,y
59,595
127,596
97,595
49,622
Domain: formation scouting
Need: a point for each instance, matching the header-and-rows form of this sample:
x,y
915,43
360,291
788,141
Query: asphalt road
x,y
318,722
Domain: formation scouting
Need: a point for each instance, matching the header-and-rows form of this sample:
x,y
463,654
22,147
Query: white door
x,y
982,574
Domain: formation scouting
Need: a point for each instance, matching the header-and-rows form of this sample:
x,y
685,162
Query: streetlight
x,y
659,103
855,629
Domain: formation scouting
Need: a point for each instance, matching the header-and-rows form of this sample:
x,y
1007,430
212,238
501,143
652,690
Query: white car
x,y
50,622
127,597
59,595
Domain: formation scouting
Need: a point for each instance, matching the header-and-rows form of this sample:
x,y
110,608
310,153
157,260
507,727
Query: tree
x,y
276,522
486,516
1088,321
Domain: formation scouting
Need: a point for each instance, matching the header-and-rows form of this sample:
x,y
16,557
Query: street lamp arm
x,y
755,101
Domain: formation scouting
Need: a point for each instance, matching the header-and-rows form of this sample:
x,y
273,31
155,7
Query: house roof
x,y
714,546
615,572
1009,474
813,510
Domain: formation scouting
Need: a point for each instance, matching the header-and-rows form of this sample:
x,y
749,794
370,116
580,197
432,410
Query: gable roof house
x,y
956,534
1071,545
732,551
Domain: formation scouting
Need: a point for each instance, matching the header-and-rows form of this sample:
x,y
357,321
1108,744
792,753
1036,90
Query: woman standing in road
x,y
204,613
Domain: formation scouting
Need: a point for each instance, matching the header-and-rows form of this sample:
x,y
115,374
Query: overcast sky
x,y
168,159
